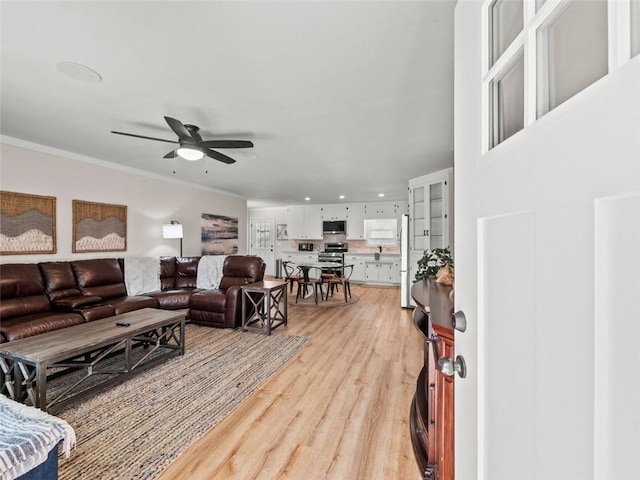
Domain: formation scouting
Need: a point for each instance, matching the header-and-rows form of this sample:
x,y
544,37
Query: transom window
x,y
540,53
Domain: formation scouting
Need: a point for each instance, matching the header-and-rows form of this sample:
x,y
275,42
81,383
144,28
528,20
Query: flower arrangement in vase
x,y
432,262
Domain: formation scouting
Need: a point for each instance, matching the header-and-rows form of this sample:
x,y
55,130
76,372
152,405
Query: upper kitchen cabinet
x,y
431,211
384,210
336,211
304,222
355,221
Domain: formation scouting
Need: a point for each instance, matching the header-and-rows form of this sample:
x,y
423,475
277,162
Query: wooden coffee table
x,y
25,363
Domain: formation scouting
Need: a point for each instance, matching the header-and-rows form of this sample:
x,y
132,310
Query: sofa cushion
x,y
101,277
22,291
173,299
186,272
34,324
69,303
210,301
96,312
58,280
129,304
167,273
241,270
8,287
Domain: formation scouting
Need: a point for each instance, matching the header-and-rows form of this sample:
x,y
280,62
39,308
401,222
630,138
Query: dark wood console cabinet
x,y
431,418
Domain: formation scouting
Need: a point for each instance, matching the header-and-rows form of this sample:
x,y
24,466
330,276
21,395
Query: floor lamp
x,y
173,230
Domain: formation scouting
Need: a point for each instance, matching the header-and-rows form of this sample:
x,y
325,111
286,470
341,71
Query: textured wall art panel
x,y
219,235
27,224
99,227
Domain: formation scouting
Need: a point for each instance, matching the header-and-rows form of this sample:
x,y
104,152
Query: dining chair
x,y
315,282
341,280
291,274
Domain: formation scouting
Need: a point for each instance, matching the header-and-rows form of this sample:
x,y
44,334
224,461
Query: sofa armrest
x,y
233,312
70,303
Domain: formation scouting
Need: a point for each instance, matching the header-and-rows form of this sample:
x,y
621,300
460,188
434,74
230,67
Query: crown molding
x,y
16,142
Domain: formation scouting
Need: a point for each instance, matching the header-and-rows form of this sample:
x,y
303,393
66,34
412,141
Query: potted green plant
x,y
432,261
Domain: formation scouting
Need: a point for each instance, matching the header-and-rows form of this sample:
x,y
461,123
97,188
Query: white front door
x,y
262,242
547,242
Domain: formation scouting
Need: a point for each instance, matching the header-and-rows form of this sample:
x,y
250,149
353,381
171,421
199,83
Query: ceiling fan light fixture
x,y
190,153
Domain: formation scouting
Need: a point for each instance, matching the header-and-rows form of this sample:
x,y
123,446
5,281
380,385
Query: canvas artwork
x,y
99,227
281,232
219,235
27,224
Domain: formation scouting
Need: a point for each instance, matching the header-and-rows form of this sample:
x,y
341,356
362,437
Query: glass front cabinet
x,y
431,212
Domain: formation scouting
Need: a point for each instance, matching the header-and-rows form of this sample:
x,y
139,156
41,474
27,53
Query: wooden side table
x,y
267,302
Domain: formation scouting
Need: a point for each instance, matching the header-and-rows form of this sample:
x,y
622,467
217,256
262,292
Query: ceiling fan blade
x,y
171,154
226,144
218,156
179,129
143,136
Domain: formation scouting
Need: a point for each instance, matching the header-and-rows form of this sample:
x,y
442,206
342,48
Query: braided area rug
x,y
136,429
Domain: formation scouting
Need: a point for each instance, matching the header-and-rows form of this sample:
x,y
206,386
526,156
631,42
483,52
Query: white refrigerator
x,y
405,259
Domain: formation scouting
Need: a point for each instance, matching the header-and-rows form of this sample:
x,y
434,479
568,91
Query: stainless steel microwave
x,y
334,226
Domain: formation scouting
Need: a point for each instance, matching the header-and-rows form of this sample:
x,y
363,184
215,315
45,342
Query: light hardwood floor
x,y
339,410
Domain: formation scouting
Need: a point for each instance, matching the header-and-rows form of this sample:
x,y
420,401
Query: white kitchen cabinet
x,y
355,222
336,211
395,271
359,273
431,212
295,222
381,210
304,222
379,272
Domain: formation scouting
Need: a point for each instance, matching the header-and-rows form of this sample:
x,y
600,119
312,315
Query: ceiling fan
x,y
192,146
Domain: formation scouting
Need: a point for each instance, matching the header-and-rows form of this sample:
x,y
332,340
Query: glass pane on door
x,y
263,236
436,216
418,221
506,24
572,52
507,103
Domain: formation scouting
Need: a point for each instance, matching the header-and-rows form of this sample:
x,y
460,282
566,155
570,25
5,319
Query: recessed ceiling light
x,y
341,196
381,194
79,72
307,198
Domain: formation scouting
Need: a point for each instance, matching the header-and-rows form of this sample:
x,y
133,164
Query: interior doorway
x,y
263,241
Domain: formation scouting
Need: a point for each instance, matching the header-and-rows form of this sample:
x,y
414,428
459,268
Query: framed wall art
x,y
99,227
219,235
281,232
27,224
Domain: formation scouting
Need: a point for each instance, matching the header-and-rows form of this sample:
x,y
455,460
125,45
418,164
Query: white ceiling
x,y
339,97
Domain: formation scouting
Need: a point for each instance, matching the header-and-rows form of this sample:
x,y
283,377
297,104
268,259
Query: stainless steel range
x,y
334,252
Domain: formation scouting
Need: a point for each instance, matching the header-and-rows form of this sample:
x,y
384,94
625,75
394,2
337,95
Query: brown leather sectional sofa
x,y
36,298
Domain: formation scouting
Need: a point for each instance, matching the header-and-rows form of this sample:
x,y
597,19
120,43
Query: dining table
x,y
308,265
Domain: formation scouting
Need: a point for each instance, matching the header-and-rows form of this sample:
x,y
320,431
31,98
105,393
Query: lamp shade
x,y
172,230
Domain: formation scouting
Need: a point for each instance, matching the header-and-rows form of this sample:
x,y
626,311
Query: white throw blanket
x,y
27,435
142,275
210,271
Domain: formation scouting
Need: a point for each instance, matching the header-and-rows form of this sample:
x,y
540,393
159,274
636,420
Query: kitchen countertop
x,y
370,254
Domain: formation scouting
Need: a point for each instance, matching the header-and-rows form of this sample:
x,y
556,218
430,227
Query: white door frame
x,y
268,254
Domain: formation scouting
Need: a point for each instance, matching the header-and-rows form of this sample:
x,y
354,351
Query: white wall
x,y
150,203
